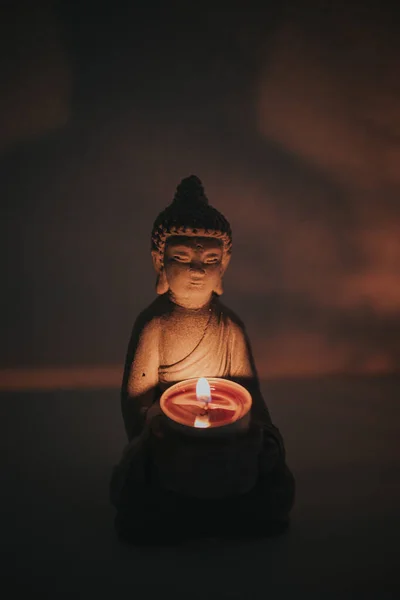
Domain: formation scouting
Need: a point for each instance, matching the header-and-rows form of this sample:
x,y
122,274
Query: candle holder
x,y
204,445
207,407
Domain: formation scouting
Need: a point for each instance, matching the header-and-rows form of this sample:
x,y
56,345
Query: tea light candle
x,y
206,403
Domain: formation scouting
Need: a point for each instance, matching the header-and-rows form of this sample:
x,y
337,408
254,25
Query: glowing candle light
x,y
203,394
212,404
203,391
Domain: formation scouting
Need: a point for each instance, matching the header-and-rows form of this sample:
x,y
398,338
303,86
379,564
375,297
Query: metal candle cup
x,y
226,410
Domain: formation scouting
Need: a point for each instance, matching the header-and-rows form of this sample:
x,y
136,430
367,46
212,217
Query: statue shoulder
x,y
149,320
230,318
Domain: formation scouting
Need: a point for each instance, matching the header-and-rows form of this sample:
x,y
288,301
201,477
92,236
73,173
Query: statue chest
x,y
179,337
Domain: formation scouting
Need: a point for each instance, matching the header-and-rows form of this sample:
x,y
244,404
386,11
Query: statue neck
x,y
188,306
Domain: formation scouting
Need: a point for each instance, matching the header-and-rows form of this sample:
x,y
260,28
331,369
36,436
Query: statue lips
x,y
196,281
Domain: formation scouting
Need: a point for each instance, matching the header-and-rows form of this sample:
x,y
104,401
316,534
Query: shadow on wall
x,y
36,78
310,188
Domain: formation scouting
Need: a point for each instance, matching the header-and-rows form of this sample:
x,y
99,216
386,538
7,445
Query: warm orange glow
x,y
206,403
203,394
203,391
202,421
61,378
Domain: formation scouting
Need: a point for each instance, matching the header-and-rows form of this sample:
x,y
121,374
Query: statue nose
x,y
197,267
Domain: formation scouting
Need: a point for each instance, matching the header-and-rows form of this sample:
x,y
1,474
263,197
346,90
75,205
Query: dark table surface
x,y
342,441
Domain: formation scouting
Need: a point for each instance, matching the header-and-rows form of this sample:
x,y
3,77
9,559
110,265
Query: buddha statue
x,y
188,333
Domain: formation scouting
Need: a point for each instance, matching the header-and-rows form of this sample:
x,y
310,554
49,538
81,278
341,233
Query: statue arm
x,y
140,382
243,370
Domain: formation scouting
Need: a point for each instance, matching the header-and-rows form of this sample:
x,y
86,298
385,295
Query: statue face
x,y
193,268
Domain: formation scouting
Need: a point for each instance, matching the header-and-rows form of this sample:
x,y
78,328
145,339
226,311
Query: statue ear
x,y
218,288
225,262
162,284
157,261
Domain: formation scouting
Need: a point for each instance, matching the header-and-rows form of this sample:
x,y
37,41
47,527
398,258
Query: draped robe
x,y
223,351
211,357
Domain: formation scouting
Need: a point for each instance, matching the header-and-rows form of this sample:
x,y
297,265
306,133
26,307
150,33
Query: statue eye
x,y
181,258
212,261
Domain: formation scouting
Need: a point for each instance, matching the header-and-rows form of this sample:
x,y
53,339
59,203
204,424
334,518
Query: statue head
x,y
191,245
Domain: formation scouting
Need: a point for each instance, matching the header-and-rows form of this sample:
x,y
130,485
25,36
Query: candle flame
x,y
202,422
203,392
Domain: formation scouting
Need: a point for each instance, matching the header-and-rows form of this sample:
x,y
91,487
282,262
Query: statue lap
x,y
176,485
204,466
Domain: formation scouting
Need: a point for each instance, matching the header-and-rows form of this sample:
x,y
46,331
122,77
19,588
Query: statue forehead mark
x,y
203,243
195,244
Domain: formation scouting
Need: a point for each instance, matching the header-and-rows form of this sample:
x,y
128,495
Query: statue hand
x,y
207,467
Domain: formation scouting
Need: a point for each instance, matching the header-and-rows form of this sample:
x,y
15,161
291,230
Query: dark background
x,y
288,113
